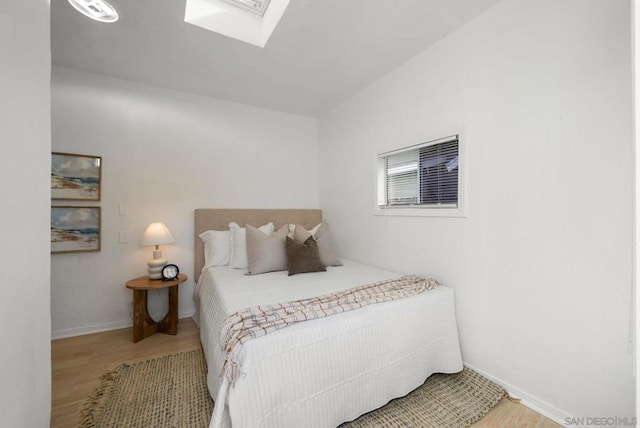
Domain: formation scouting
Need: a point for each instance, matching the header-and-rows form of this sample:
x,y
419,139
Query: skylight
x,y
251,21
256,6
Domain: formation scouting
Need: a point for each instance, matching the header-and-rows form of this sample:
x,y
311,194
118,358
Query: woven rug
x,y
171,392
444,400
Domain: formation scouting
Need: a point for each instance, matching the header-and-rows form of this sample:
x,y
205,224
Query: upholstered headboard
x,y
219,219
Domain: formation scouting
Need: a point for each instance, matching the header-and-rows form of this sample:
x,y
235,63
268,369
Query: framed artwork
x,y
75,229
75,177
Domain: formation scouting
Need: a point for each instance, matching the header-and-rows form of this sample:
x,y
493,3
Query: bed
x,y
323,372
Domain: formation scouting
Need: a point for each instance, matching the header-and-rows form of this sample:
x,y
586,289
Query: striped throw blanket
x,y
260,320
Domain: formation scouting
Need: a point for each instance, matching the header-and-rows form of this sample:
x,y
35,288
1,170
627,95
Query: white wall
x,y
164,154
25,364
542,264
636,152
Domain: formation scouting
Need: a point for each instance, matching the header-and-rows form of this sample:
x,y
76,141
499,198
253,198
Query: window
x,y
425,176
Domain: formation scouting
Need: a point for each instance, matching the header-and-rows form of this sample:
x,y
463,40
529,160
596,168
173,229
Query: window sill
x,y
420,212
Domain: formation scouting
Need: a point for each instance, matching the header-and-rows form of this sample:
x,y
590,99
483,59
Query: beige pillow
x,y
238,258
303,257
322,235
266,253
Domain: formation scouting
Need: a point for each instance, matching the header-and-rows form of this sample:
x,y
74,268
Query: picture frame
x,y
75,229
75,177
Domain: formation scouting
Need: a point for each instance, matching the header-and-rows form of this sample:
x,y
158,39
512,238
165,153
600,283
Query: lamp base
x,y
156,264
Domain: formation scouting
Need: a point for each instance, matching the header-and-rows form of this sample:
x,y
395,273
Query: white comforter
x,y
323,372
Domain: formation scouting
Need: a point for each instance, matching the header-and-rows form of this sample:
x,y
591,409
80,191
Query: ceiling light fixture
x,y
99,10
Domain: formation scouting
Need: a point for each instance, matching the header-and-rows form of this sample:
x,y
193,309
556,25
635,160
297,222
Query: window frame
x,y
445,210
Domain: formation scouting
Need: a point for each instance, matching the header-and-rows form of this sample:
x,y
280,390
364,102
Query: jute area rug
x,y
171,392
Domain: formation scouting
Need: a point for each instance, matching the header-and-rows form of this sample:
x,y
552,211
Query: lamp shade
x,y
157,233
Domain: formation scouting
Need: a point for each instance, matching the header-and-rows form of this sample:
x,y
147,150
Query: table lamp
x,y
157,233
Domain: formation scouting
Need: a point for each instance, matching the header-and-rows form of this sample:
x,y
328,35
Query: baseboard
x,y
528,400
98,328
95,328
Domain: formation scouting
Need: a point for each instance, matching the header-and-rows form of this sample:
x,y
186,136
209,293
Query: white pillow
x,y
239,244
217,248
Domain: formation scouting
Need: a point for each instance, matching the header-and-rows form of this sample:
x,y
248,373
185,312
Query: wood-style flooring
x,y
79,362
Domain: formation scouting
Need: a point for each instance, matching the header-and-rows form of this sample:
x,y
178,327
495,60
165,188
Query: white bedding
x,y
323,372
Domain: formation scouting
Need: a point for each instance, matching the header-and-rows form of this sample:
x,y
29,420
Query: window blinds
x,y
425,175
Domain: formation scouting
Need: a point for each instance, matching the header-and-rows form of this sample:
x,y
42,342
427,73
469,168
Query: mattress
x,y
323,372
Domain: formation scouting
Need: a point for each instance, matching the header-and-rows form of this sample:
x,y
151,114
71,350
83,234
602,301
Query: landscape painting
x,y
75,177
75,229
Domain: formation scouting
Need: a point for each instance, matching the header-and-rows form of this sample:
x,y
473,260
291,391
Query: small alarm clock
x,y
170,272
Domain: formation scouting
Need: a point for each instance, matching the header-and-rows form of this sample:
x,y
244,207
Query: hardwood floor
x,y
509,414
79,362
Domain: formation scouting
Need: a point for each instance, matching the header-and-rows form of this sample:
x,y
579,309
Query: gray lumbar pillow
x,y
266,253
322,235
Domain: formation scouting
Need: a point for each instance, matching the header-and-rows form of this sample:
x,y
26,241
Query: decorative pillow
x,y
303,257
322,235
328,254
217,249
266,253
301,234
239,244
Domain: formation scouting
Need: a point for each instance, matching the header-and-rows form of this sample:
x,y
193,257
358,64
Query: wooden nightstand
x,y
143,324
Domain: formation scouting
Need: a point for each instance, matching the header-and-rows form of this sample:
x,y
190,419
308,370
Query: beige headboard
x,y
219,219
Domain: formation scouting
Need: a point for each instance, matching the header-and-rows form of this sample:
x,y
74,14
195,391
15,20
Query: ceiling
x,y
321,53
